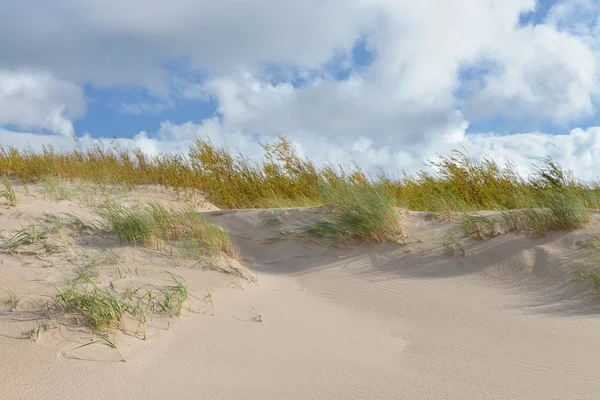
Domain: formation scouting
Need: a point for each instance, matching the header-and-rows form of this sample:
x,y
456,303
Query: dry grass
x,y
454,183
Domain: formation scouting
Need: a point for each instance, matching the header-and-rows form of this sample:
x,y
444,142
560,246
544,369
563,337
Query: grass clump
x,y
23,237
35,333
100,309
478,226
156,224
357,212
7,191
553,211
129,226
56,189
173,297
451,184
104,310
11,299
451,242
104,340
591,278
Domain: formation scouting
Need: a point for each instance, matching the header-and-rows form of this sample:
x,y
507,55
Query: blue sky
x,y
384,84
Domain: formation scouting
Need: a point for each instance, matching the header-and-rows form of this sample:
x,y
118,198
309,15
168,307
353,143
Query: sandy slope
x,y
358,322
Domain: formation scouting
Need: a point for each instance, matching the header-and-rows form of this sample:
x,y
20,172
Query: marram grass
x,y
453,183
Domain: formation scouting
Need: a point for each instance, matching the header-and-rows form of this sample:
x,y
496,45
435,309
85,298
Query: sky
x,y
387,84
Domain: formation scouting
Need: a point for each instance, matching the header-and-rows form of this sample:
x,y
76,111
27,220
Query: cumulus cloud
x,y
536,75
33,100
274,67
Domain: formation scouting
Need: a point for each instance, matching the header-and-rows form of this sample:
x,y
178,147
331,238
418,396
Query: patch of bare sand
x,y
352,322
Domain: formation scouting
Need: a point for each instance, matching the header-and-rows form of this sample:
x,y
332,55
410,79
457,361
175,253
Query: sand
x,y
386,321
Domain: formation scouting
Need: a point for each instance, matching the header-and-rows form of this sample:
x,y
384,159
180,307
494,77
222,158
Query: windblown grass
x,y
104,310
129,226
7,191
478,226
591,276
100,309
10,299
451,242
357,212
23,237
156,225
454,183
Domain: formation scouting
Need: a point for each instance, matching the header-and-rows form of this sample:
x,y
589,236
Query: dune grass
x,y
478,226
357,212
100,309
8,192
23,237
591,276
155,224
10,298
104,310
106,341
451,242
454,183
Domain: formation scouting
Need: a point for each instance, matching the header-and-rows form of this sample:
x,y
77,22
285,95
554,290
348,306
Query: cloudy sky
x,y
386,83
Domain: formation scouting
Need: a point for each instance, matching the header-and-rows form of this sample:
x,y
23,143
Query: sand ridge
x,y
362,321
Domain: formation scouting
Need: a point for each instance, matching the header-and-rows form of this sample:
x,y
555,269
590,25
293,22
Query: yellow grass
x,y
455,182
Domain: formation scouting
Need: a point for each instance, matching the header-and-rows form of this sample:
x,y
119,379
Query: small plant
x,y
209,296
11,299
451,242
104,340
173,297
129,226
360,212
591,278
23,237
57,223
35,333
8,192
270,220
257,316
477,226
55,188
100,309
140,311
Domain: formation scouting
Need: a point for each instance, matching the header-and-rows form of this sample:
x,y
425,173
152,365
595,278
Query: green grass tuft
x,y
591,278
357,212
478,226
451,243
129,226
23,237
8,192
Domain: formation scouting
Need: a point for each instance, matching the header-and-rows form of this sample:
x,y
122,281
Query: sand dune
x,y
362,321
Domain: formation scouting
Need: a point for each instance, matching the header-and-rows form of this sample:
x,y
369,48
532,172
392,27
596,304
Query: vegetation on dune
x,y
453,183
591,276
156,224
104,310
7,191
357,212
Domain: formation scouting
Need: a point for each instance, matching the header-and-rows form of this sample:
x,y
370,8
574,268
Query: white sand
x,y
358,322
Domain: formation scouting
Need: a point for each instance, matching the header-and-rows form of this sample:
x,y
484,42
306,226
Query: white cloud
x,y
33,100
405,107
542,74
578,149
